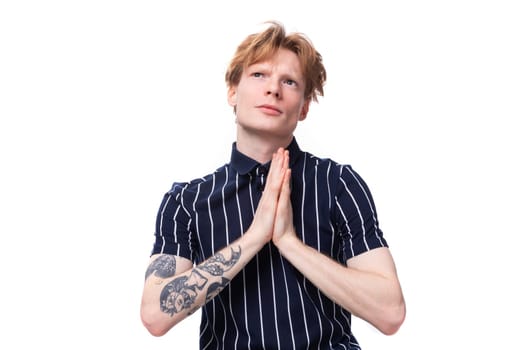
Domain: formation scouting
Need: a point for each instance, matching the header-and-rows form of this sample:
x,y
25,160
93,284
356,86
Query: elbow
x,y
154,329
153,323
393,319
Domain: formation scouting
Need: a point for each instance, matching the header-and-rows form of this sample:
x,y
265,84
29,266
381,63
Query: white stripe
x,y
328,185
224,209
243,271
274,300
175,225
258,276
260,300
317,209
197,219
207,325
190,248
319,249
161,224
228,242
203,255
376,226
334,254
347,227
182,199
333,251
212,230
288,302
358,211
339,323
302,200
253,213
304,240
318,241
190,237
224,313
348,322
304,313
212,234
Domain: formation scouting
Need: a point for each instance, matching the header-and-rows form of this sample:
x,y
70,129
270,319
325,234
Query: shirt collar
x,y
244,164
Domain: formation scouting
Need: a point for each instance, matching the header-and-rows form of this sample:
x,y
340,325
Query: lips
x,y
269,109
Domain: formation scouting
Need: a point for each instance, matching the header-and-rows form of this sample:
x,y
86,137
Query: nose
x,y
273,88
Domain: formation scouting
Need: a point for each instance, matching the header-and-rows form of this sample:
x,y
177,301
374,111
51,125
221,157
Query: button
x,y
262,171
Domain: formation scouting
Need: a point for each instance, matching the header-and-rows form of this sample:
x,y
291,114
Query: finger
x,y
284,193
284,205
286,160
277,170
280,162
286,187
275,163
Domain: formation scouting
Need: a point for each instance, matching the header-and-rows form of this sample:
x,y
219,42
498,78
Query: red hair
x,y
261,46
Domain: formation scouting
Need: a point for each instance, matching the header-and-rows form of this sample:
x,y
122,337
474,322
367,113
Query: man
x,y
279,247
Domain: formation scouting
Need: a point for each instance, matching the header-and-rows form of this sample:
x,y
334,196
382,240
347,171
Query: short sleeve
x,y
355,215
172,227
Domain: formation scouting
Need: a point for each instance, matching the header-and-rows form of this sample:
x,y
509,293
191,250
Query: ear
x,y
304,110
232,96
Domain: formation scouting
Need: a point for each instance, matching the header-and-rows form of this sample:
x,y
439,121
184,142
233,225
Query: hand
x,y
264,218
283,226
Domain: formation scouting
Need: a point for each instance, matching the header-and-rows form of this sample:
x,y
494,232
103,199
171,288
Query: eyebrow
x,y
293,74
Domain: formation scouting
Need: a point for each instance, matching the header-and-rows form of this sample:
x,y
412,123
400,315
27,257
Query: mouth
x,y
269,109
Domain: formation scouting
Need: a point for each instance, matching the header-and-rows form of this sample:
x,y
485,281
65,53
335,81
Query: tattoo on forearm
x,y
217,264
181,293
164,266
216,287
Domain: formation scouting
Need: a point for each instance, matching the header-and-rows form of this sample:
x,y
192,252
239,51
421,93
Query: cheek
x,y
296,108
242,99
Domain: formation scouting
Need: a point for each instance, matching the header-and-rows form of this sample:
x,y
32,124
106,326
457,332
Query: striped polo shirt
x,y
270,304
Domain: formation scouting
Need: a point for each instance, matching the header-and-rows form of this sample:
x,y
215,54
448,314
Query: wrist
x,y
255,238
287,242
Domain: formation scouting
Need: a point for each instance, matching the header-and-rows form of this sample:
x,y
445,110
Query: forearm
x,y
170,297
372,296
167,301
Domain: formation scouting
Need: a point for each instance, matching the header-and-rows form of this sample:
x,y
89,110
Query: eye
x,y
290,82
257,74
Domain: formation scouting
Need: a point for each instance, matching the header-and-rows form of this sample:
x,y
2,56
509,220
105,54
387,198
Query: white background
x,y
104,104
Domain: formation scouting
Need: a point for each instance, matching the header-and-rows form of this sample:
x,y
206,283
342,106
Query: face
x,y
269,99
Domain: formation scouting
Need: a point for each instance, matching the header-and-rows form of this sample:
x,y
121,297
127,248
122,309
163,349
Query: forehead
x,y
282,58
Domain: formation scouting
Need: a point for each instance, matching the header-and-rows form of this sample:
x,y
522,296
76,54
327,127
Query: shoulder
x,y
193,186
334,167
341,175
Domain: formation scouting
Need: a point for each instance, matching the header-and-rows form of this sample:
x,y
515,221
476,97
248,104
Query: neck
x,y
261,148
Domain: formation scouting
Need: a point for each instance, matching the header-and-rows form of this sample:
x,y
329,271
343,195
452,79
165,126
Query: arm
x,y
174,289
367,286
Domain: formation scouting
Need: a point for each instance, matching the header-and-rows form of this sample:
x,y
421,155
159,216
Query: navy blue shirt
x,y
270,304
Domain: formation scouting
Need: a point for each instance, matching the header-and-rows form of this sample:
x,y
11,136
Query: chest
x,y
227,212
